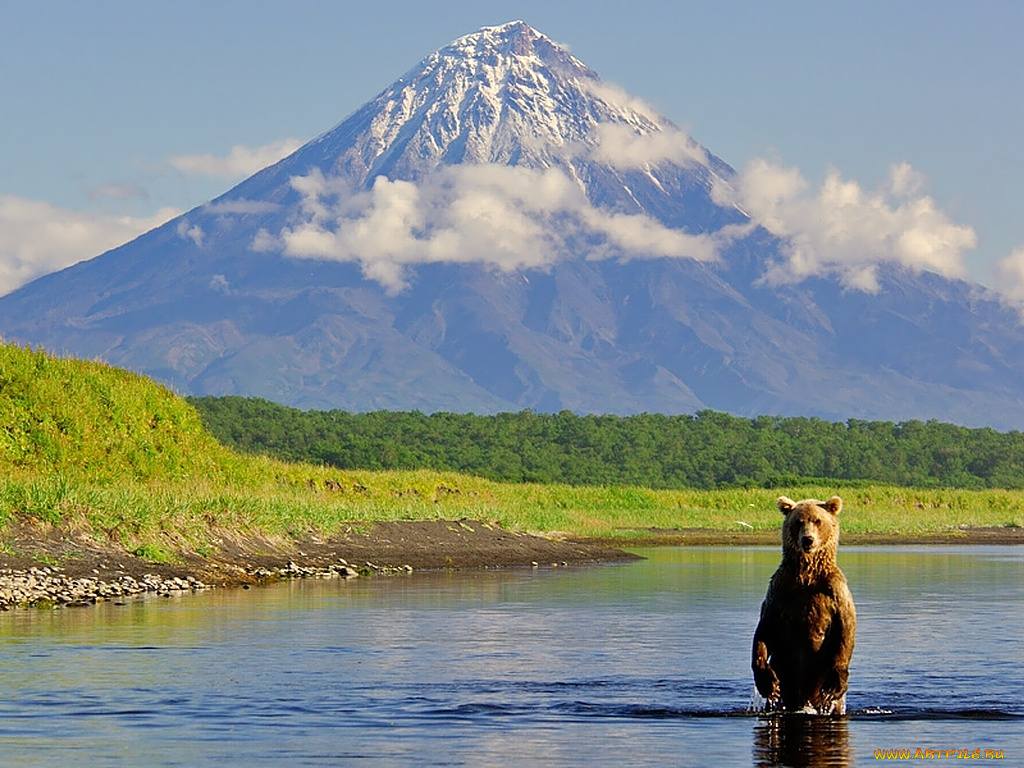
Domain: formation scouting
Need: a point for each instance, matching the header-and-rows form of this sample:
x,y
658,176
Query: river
x,y
634,664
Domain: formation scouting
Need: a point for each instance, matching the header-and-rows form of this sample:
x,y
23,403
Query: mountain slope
x,y
499,230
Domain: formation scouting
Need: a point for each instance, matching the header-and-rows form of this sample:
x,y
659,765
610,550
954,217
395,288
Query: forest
x,y
704,450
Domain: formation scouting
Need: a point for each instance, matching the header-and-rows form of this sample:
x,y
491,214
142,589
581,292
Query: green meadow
x,y
125,460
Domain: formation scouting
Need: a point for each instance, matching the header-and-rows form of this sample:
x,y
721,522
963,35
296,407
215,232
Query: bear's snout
x,y
807,543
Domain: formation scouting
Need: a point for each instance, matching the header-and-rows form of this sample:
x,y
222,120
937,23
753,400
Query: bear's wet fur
x,y
804,640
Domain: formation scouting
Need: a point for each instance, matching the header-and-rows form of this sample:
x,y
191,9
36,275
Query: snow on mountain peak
x,y
500,46
507,95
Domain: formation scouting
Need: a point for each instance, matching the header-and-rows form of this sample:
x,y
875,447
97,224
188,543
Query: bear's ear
x,y
786,505
833,505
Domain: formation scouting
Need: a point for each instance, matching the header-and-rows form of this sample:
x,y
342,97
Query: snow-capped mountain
x,y
519,156
506,95
500,229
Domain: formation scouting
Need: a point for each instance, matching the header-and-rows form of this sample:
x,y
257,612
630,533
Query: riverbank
x,y
46,565
41,564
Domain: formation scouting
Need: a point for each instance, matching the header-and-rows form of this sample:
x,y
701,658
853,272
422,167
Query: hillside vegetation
x,y
84,419
704,450
103,452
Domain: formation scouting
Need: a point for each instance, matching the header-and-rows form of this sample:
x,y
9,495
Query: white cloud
x,y
643,236
264,242
193,233
515,218
506,217
904,180
622,146
1010,277
842,229
240,162
37,237
219,284
616,98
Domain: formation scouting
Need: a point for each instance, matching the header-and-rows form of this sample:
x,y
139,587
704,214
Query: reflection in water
x,y
801,741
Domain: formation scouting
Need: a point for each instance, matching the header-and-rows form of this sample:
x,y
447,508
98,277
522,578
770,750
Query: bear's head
x,y
811,528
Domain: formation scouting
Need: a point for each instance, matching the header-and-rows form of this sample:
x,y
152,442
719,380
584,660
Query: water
x,y
627,665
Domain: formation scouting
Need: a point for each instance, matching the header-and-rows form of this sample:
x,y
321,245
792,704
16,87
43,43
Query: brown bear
x,y
804,640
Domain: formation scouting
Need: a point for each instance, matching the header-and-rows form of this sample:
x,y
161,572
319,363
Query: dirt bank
x,y
40,563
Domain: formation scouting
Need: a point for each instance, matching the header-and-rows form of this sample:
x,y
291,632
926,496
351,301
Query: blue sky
x,y
117,115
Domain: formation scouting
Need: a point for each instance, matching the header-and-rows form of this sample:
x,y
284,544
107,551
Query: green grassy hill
x,y
87,420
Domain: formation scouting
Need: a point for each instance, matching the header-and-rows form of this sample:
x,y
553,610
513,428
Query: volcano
x,y
501,230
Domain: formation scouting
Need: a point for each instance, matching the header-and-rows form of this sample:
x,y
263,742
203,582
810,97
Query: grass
x,y
124,459
277,500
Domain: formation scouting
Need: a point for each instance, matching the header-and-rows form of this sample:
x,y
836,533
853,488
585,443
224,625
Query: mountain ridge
x,y
442,252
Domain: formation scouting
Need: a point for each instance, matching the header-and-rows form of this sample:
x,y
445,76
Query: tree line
x,y
707,449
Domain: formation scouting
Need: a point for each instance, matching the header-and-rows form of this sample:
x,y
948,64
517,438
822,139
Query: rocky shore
x,y
51,586
48,586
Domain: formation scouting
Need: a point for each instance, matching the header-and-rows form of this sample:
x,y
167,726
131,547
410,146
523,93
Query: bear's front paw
x,y
767,683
